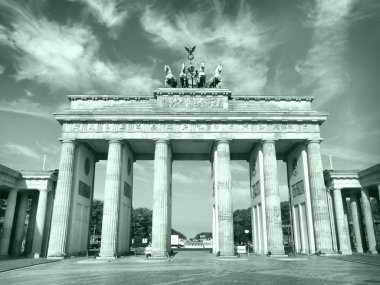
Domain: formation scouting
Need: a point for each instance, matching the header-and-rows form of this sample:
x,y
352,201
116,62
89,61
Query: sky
x,y
325,49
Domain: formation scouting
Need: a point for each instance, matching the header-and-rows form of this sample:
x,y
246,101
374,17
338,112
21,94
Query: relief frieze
x,y
298,189
191,102
255,189
190,127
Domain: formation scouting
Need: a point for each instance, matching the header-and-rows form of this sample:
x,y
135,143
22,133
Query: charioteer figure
x,y
190,77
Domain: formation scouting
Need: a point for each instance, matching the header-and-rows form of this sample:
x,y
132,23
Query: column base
x,y
158,258
371,251
160,254
60,255
56,257
346,252
221,257
106,257
325,251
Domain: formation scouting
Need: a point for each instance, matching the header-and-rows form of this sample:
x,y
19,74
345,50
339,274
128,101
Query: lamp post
x,y
247,232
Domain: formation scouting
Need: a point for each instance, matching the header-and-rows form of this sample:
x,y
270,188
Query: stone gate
x,y
190,124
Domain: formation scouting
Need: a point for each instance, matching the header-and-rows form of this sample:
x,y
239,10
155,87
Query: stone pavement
x,y
203,268
7,264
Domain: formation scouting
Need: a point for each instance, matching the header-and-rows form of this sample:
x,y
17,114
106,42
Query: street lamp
x,y
247,232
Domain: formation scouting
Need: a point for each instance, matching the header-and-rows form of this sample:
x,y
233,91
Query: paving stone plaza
x,y
203,268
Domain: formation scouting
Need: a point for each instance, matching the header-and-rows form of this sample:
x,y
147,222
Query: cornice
x,y
9,171
272,98
109,97
192,91
312,117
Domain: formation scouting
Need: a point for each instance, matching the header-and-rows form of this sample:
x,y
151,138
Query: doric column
x,y
322,230
224,188
357,221
8,222
343,234
378,196
161,188
31,226
20,225
254,229
367,212
61,212
39,224
108,247
272,199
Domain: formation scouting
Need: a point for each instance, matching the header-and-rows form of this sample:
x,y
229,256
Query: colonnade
x,y
13,232
311,222
364,234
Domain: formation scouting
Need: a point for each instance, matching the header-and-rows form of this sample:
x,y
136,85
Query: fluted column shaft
x,y
378,196
39,224
367,212
20,225
357,221
343,234
8,222
322,230
31,226
161,188
224,188
61,212
108,247
272,199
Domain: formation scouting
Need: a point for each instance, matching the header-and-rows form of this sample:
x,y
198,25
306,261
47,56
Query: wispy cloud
x,y
28,93
359,158
26,107
2,69
323,71
240,43
66,57
111,13
13,149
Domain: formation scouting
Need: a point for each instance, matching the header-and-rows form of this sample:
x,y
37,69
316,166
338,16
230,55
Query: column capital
x,y
269,141
73,141
308,141
167,141
218,141
115,141
44,189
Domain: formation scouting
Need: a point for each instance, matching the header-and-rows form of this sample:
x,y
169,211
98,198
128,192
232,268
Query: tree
x,y
97,217
141,223
208,235
181,235
242,222
285,213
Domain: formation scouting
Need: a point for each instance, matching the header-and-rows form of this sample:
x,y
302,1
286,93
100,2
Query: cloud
x,y
13,149
26,107
28,93
323,71
358,158
2,69
66,57
110,13
239,42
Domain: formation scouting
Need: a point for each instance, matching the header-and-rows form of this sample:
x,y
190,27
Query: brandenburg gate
x,y
189,124
190,120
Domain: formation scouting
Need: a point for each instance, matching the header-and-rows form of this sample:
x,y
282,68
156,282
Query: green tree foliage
x,y
96,217
181,235
285,213
207,234
242,222
141,223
